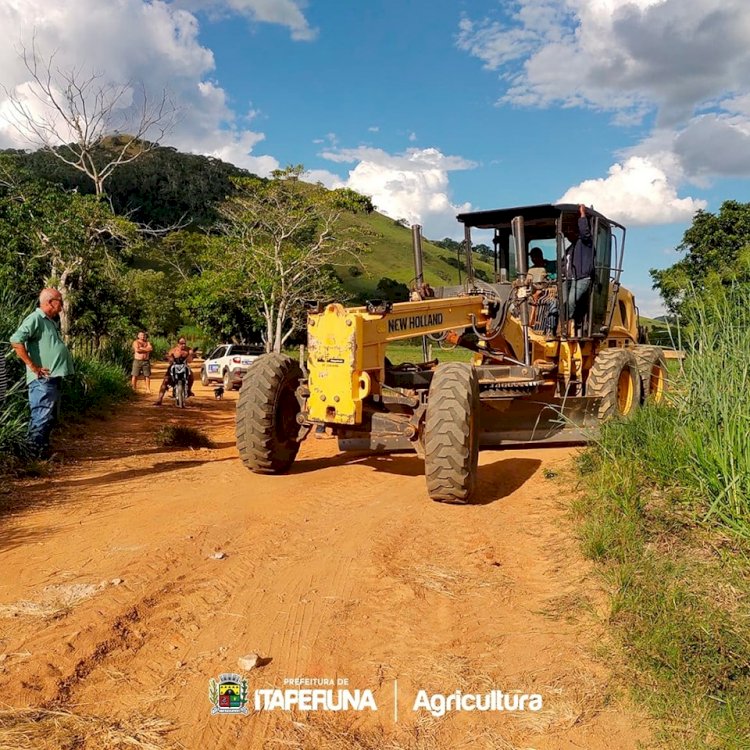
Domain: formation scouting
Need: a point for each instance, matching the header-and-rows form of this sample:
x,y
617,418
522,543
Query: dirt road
x,y
114,606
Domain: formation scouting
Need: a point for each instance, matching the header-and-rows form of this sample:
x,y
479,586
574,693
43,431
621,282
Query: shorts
x,y
141,367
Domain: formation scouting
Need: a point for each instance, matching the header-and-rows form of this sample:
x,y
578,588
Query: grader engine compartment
x,y
552,340
346,349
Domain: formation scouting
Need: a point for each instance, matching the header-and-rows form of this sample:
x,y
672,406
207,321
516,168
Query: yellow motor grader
x,y
536,376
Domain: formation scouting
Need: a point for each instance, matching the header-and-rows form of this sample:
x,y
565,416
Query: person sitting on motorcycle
x,y
180,353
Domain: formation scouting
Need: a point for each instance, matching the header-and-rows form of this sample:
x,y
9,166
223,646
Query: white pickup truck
x,y
228,364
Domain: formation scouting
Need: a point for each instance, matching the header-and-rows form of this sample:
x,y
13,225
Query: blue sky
x,y
641,109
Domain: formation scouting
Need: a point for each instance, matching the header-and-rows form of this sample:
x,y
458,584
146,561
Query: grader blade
x,y
538,421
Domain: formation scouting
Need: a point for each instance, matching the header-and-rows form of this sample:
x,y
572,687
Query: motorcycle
x,y
178,378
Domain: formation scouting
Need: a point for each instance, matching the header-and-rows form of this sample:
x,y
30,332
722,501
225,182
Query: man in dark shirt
x,y
579,270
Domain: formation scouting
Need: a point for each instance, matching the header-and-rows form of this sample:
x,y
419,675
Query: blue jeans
x,y
44,396
576,294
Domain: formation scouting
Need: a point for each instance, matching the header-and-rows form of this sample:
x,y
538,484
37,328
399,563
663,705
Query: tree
x,y
717,251
163,188
153,301
80,112
392,290
280,238
65,239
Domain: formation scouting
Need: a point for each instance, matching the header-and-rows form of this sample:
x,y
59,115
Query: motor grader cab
x,y
534,378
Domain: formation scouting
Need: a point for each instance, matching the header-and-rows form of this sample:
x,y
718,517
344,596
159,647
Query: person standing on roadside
x,y
40,346
142,349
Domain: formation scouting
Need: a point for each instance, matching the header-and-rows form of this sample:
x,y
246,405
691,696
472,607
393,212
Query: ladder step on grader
x,y
555,350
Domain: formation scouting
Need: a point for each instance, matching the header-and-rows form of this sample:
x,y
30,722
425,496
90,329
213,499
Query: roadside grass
x,y
40,729
13,424
182,436
161,345
665,513
95,387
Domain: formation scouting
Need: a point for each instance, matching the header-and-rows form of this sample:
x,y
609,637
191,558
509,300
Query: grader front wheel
x,y
451,433
615,379
267,409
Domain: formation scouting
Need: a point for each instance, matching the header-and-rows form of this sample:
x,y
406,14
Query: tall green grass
x,y
13,424
665,514
13,421
94,389
713,407
700,440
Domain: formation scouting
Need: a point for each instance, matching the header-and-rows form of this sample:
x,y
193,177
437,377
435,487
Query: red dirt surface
x,y
112,604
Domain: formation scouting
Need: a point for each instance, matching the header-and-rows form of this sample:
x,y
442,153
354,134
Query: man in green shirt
x,y
39,345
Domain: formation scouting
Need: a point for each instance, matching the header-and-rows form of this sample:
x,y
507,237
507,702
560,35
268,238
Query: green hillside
x,y
659,332
389,255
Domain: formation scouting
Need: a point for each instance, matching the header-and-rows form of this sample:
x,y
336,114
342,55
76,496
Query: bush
x,y
13,410
179,436
161,346
196,337
392,290
94,388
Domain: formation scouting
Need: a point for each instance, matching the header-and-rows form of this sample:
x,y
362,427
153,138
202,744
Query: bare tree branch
x,y
81,112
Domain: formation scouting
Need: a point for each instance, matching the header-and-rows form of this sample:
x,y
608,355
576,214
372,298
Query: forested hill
x,y
165,188
161,188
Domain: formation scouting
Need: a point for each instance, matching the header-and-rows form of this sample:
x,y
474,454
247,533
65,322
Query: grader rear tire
x,y
653,370
451,433
615,379
267,409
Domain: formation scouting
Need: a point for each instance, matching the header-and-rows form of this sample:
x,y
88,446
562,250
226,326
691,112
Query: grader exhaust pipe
x,y
416,240
522,268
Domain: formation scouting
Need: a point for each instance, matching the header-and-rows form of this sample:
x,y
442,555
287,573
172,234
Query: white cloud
x,y
715,144
323,176
131,40
412,186
650,304
685,61
636,192
673,55
284,12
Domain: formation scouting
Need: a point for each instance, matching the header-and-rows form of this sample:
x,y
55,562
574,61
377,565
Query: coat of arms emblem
x,y
228,694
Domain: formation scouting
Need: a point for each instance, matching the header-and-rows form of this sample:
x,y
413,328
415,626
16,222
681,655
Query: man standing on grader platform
x,y
579,271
